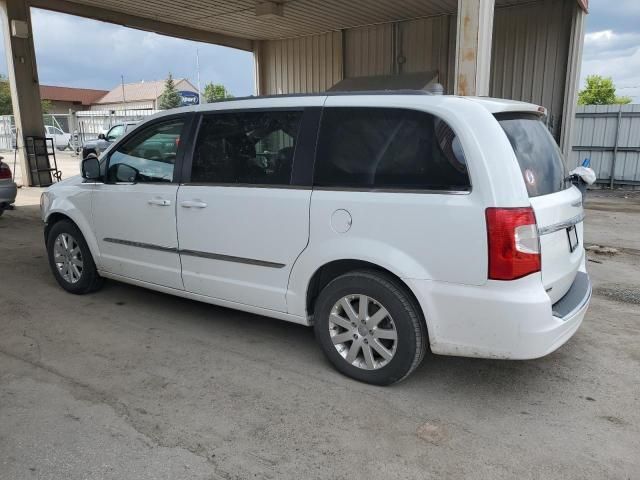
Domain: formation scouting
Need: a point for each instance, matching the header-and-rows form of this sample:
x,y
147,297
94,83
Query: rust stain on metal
x,y
463,85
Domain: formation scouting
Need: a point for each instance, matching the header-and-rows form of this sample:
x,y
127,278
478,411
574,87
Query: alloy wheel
x,y
363,332
67,257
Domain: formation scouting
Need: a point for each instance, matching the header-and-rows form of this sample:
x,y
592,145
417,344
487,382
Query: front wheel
x,y
70,259
370,327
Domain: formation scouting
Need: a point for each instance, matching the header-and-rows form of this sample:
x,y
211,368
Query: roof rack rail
x,y
330,94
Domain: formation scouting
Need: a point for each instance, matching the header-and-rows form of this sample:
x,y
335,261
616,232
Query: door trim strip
x,y
196,253
148,246
231,258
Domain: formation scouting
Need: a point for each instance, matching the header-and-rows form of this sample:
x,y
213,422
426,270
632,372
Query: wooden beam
x,y
142,23
473,47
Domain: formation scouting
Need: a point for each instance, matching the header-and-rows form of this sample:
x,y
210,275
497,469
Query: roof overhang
x,y
237,23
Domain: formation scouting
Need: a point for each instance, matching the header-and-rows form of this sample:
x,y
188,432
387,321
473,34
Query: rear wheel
x,y
370,327
70,259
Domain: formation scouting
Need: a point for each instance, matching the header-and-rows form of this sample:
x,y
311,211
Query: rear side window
x,y
246,148
538,155
388,148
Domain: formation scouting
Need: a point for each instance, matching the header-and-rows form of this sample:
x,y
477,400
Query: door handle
x,y
160,201
193,204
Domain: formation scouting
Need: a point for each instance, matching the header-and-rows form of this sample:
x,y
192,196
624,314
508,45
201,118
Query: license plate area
x,y
572,235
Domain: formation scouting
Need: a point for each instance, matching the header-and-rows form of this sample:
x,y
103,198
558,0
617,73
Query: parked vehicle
x,y
100,144
389,222
8,188
61,140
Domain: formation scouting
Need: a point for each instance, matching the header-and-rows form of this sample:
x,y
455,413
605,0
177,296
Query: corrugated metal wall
x,y
595,132
305,64
529,56
369,51
430,44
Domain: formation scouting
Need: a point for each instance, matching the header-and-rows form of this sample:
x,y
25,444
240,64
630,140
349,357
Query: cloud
x,y
80,52
617,55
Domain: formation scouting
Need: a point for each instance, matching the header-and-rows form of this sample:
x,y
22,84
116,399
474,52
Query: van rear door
x,y
556,203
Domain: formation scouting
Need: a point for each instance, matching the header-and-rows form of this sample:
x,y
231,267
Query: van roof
x,y
493,105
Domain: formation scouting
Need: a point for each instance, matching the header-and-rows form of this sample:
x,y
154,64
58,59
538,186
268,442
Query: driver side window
x,y
149,156
115,133
246,148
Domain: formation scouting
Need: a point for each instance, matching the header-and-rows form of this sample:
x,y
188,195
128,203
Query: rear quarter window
x,y
540,160
388,148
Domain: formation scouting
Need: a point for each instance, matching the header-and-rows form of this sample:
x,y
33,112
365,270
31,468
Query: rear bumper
x,y
508,320
8,192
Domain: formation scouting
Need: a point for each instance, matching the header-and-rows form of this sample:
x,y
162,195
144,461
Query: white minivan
x,y
390,222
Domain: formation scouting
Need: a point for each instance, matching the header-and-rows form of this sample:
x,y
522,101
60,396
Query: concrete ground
x,y
131,384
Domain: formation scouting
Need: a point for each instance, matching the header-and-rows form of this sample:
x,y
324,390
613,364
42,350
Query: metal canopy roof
x,y
238,20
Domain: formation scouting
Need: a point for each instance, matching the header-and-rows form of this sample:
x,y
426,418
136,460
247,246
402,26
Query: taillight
x,y
514,245
5,171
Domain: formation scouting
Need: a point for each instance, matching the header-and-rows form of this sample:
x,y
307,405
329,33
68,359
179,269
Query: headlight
x,y
44,204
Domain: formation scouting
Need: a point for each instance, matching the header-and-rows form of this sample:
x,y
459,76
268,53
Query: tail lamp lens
x,y
5,171
514,245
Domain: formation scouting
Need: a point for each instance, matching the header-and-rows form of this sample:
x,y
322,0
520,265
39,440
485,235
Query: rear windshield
x,y
538,154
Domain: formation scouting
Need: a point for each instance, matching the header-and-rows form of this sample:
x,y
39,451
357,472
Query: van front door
x,y
243,221
134,210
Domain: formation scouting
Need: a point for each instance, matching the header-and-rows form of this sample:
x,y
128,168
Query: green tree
x,y
600,90
46,106
170,97
6,107
5,97
214,92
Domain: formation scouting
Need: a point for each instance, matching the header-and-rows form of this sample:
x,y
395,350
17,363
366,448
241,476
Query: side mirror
x,y
102,137
90,167
124,173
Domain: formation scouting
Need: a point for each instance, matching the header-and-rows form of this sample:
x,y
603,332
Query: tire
x,y
378,291
78,254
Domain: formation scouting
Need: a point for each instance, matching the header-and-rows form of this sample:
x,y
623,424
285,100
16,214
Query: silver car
x,y
8,188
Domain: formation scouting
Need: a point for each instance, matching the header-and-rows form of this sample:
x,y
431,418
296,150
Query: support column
x,y
258,88
23,76
473,47
572,82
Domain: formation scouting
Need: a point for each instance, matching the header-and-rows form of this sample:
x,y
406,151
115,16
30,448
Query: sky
x,y
78,52
612,44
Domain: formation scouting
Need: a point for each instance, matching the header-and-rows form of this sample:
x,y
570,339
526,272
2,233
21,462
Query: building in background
x,y
63,99
143,95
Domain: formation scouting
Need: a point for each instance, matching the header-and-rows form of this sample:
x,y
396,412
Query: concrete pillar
x,y
572,82
23,75
473,47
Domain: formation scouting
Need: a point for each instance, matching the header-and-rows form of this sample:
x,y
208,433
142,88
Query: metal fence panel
x,y
90,123
84,125
609,135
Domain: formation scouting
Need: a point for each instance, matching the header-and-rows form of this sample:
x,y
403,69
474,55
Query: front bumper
x,y
509,320
8,192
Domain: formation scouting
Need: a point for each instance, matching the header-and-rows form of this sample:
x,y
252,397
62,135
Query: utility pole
x,y
198,71
124,100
